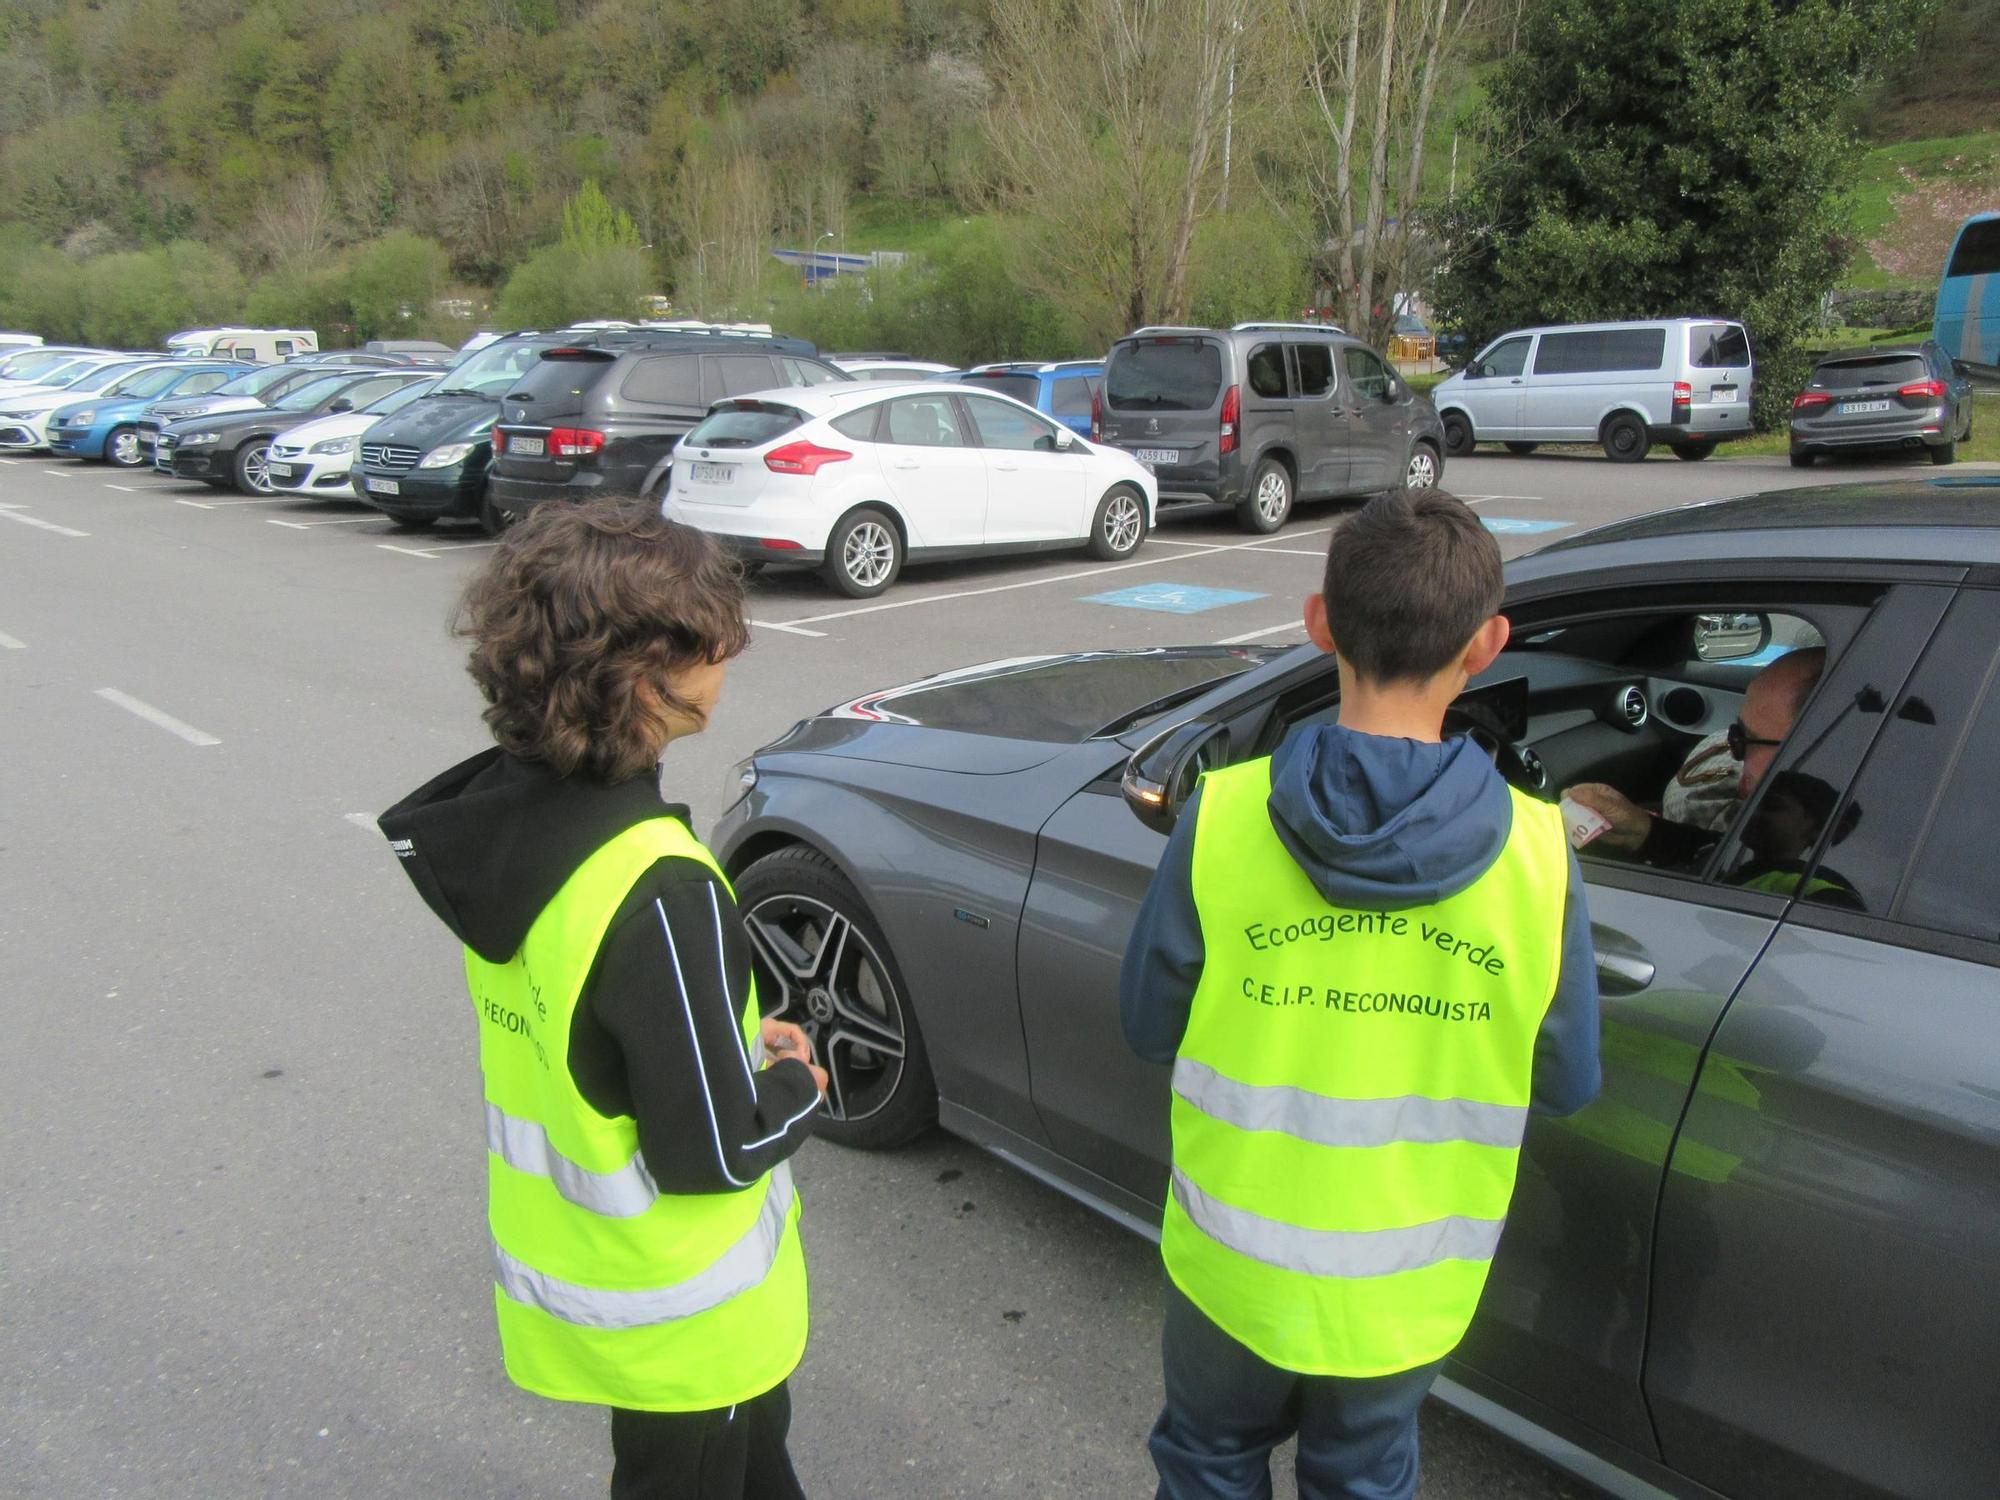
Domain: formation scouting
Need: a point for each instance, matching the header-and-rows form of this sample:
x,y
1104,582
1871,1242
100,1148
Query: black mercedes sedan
x,y
234,448
1762,1263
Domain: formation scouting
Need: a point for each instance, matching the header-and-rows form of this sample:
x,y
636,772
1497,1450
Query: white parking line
x,y
406,551
257,500
197,504
126,488
13,513
8,643
362,821
308,525
436,549
1031,583
788,629
57,473
153,715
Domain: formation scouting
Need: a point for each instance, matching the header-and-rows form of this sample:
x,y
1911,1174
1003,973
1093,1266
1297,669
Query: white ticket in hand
x,y
1581,823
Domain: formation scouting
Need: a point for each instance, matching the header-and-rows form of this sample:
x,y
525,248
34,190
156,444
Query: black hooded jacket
x,y
656,1033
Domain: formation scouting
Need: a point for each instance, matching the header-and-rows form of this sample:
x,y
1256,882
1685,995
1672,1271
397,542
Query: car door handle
x,y
1007,468
904,463
1623,973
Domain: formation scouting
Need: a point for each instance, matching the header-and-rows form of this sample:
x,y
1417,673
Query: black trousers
x,y
736,1453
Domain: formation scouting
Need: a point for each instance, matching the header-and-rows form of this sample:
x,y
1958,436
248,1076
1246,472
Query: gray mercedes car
x,y
1762,1263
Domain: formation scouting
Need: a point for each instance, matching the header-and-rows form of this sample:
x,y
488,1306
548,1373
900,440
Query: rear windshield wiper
x,y
461,391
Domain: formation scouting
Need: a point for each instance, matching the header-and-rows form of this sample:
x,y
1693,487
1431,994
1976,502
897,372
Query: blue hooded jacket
x,y
1379,824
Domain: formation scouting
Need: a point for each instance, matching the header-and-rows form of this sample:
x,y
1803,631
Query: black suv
x,y
603,417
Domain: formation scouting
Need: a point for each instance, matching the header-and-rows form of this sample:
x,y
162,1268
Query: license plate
x,y
1722,393
713,473
384,487
526,447
1157,455
280,471
1856,408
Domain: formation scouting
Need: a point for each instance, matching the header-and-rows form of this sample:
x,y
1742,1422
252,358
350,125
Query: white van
x,y
1685,382
262,346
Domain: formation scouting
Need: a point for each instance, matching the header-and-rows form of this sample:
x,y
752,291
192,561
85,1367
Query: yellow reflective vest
x,y
1351,1092
607,1290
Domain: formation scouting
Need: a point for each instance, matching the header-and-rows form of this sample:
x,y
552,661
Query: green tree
x,y
134,300
41,291
591,224
1648,160
1249,265
392,280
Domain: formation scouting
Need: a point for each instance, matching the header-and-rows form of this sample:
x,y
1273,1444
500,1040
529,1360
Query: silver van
x,y
1685,382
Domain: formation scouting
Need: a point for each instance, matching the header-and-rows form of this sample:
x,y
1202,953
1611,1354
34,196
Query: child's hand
x,y
782,1039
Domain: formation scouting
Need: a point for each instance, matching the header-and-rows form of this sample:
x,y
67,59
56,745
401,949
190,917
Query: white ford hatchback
x,y
857,479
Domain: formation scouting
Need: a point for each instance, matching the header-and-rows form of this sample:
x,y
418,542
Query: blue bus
x,y
1968,304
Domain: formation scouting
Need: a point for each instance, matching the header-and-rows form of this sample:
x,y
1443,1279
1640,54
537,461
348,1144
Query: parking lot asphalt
x,y
243,1251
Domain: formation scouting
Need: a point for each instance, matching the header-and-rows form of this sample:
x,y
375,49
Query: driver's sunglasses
x,y
1740,740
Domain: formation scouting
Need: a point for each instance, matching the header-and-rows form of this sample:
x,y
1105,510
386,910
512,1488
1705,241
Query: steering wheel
x,y
1517,769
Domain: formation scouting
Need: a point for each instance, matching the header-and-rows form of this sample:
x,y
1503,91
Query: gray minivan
x,y
1261,414
1685,382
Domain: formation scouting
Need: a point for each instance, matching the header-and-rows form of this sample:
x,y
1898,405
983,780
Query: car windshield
x,y
1865,374
1164,375
99,378
1023,388
62,376
256,382
397,400
313,392
148,381
494,370
28,366
743,424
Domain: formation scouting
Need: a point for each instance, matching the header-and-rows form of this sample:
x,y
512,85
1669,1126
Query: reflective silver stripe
x,y
739,1268
524,1146
1327,1121
1337,1252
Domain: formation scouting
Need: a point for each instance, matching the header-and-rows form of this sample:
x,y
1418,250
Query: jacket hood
x,y
490,842
1384,824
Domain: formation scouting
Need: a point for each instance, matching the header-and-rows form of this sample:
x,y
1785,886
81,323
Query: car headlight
x,y
737,784
82,418
445,457
196,439
20,416
333,445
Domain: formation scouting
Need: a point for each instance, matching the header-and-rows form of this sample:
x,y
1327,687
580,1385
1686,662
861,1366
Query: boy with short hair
x,y
1366,957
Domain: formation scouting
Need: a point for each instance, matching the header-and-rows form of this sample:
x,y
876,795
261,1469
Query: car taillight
x,y
777,544
1923,390
574,442
499,441
1683,393
1097,415
1809,400
803,458
1231,404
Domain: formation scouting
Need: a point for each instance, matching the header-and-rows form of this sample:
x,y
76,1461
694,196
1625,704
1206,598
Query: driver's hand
x,y
1630,823
782,1039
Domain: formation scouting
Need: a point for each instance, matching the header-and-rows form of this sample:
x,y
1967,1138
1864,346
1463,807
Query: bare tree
x,y
298,226
1106,117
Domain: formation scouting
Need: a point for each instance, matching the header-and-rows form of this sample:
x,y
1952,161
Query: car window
x,y
139,384
1023,388
744,424
286,346
200,385
363,392
1071,397
807,372
1509,357
1164,374
666,380
397,399
1718,346
1267,370
925,422
1366,373
1978,250
1315,362
1601,351
858,425
1003,426
309,395
1896,808
1884,371
745,373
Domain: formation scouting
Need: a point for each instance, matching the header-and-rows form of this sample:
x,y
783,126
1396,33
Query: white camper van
x,y
260,346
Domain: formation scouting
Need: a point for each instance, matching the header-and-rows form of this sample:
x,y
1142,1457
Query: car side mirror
x,y
1730,637
343,404
1161,775
1065,440
1474,370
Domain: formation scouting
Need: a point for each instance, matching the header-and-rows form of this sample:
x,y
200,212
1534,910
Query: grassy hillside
x,y
1911,197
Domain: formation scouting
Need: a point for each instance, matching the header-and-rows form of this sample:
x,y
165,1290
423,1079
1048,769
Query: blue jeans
x,y
1227,1409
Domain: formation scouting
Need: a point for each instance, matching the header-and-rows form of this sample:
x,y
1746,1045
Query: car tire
x,y
1119,527
1524,449
492,519
1458,438
1694,453
121,448
412,523
852,1002
1625,439
1944,453
864,554
1269,504
251,467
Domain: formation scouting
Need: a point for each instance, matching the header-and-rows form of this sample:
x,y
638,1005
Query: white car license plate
x,y
279,471
1157,455
526,447
1856,408
384,487
1722,393
712,473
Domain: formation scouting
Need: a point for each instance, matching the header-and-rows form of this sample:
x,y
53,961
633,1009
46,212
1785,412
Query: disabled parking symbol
x,y
1172,598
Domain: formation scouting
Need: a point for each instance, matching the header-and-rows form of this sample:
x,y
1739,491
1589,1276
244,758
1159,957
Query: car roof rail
x,y
1168,328
1294,327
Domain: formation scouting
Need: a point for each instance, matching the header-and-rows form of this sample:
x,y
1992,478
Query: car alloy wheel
x,y
253,469
1423,470
122,448
868,553
1269,501
1119,526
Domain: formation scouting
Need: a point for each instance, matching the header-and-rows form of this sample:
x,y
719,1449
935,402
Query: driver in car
x,y
1771,706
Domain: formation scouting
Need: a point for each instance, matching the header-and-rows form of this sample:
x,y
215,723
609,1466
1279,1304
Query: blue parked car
x,y
106,427
1063,390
